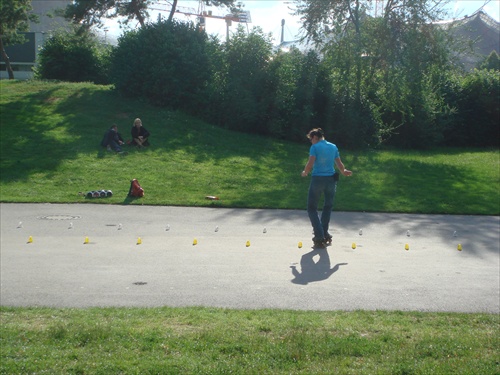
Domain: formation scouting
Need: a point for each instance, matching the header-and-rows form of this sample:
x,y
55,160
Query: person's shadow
x,y
314,271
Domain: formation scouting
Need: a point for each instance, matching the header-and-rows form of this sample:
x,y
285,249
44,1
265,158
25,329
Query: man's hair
x,y
316,132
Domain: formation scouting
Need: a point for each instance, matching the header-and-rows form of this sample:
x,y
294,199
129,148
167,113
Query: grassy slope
x,y
50,135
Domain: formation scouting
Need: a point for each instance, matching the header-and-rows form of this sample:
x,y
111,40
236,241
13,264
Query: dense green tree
x,y
246,60
333,22
237,79
409,88
479,109
214,90
74,56
381,66
295,92
14,19
491,62
165,63
282,86
90,13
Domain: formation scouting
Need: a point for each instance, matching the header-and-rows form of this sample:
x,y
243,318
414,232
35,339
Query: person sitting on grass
x,y
139,134
112,140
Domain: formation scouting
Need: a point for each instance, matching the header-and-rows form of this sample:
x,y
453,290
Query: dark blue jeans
x,y
110,140
321,185
114,145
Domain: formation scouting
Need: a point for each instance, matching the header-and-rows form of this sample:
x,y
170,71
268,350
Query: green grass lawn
x,y
218,341
49,139
50,135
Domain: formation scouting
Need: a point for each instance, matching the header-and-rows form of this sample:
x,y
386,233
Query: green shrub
x,y
491,62
74,57
166,63
479,109
237,91
297,101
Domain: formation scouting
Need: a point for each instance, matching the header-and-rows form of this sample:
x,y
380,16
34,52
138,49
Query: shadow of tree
x,y
479,234
32,142
82,118
402,180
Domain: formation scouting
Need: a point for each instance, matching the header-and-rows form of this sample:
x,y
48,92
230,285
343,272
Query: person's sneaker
x,y
320,243
328,239
108,148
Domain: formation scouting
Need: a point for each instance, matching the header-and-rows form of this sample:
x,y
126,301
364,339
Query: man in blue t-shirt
x,y
323,156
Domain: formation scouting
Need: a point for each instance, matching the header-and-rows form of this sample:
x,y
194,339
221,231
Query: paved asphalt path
x,y
57,269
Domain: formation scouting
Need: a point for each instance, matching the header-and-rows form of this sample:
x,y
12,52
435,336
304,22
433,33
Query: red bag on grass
x,y
135,189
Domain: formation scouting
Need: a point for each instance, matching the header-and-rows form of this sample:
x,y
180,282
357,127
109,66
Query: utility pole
x,y
282,31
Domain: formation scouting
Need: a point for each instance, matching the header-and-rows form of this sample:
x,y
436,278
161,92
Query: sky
x,y
268,14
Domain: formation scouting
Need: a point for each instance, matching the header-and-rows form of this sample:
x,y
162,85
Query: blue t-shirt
x,y
325,153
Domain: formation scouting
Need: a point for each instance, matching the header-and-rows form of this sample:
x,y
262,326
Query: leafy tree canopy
x,y
14,18
491,62
92,12
324,18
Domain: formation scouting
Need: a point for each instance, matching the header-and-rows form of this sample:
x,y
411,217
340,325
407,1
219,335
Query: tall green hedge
x,y
166,63
76,56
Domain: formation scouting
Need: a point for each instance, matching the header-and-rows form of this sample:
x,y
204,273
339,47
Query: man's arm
x,y
309,166
341,167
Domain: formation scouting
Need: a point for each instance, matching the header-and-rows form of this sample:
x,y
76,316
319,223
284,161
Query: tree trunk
x,y
172,11
135,7
354,14
7,61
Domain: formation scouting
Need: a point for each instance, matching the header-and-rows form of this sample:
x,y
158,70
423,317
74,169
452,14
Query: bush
x,y
242,98
491,62
297,100
74,57
479,109
165,63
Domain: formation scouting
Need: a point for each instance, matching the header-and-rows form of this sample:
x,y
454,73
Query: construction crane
x,y
202,14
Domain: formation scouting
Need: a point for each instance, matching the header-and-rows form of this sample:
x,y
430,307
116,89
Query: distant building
x,y
22,57
480,29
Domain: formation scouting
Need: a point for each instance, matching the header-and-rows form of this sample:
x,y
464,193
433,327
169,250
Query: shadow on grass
x,y
101,153
46,128
409,186
59,123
